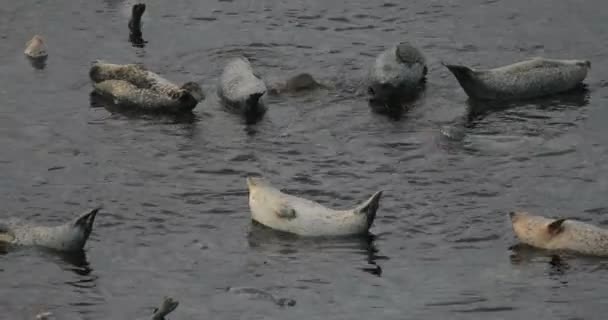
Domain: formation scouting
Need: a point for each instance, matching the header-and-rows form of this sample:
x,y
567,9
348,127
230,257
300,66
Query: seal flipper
x,y
285,211
166,307
370,207
6,234
86,220
556,227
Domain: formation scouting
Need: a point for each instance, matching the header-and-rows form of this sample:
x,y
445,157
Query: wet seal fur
x,y
68,237
396,72
241,89
167,306
560,234
298,83
280,211
133,86
135,34
527,79
36,52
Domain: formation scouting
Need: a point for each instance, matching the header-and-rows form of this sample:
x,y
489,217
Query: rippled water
x,y
176,220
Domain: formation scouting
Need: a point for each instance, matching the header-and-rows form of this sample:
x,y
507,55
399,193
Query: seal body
x,y
240,88
396,72
67,237
275,209
298,83
135,87
527,79
36,48
166,307
560,234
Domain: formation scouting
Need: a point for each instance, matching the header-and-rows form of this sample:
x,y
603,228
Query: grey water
x,y
176,220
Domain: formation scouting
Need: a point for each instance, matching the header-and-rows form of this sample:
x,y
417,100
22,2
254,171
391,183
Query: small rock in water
x,y
453,132
45,316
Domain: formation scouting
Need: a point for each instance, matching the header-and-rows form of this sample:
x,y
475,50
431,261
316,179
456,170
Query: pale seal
x,y
167,306
36,48
295,84
240,88
527,79
560,234
280,211
396,72
133,86
68,237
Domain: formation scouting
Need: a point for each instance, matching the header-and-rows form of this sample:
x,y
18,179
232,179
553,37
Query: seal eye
x,y
370,90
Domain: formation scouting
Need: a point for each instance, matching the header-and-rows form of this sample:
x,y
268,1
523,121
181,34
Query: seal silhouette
x,y
559,234
280,211
134,86
67,237
527,79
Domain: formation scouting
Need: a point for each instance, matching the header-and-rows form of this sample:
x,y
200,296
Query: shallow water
x,y
176,220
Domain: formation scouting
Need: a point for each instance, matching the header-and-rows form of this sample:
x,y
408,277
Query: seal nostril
x,y
511,214
370,90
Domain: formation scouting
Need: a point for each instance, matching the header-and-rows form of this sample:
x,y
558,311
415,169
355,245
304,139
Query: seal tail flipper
x,y
254,98
459,71
165,308
370,207
556,227
86,221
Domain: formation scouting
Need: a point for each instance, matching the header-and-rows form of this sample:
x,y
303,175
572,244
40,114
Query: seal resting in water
x,y
396,72
240,88
298,83
68,237
133,86
277,210
35,48
167,306
560,234
527,79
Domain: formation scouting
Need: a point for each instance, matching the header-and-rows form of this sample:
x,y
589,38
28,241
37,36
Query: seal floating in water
x,y
396,72
165,308
133,86
527,79
135,34
35,48
275,209
67,237
560,234
240,88
298,83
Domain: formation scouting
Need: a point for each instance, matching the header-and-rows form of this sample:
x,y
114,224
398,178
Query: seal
x,y
396,72
135,34
240,88
36,48
277,210
134,86
298,83
68,237
527,79
166,307
560,234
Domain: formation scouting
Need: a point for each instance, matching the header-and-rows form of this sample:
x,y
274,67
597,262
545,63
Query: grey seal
x,y
280,211
36,48
396,72
68,237
527,79
166,307
559,234
134,86
240,88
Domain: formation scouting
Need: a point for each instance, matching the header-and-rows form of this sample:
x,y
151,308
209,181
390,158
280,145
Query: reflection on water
x,y
274,242
395,106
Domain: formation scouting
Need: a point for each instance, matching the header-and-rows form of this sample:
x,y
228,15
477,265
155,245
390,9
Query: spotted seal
x,y
68,237
134,86
166,307
398,71
240,88
277,210
527,79
559,234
